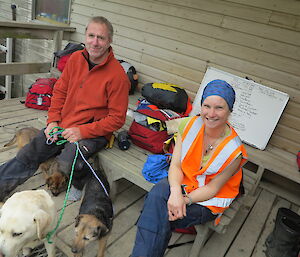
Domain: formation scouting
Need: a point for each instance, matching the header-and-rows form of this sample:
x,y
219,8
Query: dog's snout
x,y
2,255
73,249
54,194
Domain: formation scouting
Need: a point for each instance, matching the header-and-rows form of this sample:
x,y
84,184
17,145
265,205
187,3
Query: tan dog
x,y
89,229
25,219
22,137
95,218
56,181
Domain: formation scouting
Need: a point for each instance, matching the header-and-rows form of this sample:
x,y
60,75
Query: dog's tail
x,y
12,141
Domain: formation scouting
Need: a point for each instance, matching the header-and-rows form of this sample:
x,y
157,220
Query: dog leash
x,y
50,234
61,141
57,133
92,170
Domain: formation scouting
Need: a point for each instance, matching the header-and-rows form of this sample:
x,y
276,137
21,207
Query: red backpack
x,y
40,93
148,130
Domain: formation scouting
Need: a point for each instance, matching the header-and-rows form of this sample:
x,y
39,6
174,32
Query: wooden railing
x,y
31,30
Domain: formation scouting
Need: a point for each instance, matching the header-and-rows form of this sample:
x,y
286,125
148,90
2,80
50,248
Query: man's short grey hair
x,y
102,20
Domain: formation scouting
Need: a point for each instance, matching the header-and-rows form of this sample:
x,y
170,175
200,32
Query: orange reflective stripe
x,y
217,202
231,158
188,126
221,152
189,144
217,210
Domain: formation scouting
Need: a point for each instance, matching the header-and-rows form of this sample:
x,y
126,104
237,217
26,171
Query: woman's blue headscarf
x,y
222,89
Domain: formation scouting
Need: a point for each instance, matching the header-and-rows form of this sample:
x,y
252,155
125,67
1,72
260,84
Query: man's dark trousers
x,y
23,166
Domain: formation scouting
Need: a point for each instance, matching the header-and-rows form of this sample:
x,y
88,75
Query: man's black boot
x,y
282,212
284,241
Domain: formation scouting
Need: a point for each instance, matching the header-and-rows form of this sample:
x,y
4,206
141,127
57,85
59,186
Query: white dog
x,y
25,219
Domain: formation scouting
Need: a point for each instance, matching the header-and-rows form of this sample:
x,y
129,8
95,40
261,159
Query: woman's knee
x,y
161,189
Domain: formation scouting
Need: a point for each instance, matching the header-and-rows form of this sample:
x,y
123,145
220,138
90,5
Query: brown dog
x,y
56,181
22,137
95,218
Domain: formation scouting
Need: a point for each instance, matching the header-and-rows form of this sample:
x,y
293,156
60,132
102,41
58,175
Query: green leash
x,y
60,142
57,133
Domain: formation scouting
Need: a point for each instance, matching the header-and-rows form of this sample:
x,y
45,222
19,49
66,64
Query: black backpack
x,y
61,57
168,96
132,75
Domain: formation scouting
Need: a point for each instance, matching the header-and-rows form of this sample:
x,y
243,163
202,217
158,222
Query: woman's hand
x,y
176,205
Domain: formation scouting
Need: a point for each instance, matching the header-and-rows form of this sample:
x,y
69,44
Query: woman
x,y
206,162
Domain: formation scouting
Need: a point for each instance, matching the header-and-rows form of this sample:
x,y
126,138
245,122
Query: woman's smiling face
x,y
214,111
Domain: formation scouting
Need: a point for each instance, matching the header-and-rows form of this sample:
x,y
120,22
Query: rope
x,y
57,133
92,170
61,141
50,234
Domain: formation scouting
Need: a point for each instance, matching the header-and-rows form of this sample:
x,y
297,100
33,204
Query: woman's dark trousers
x,y
153,227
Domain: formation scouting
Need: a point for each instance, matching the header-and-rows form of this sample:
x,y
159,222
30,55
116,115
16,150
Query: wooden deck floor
x,y
244,238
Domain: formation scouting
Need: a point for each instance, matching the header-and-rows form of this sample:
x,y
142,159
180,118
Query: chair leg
x,y
202,235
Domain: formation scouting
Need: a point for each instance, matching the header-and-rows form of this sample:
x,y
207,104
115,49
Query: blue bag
x,y
156,167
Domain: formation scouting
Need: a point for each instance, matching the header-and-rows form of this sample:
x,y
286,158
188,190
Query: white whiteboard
x,y
257,108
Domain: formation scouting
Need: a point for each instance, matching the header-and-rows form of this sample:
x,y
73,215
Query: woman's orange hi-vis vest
x,y
225,153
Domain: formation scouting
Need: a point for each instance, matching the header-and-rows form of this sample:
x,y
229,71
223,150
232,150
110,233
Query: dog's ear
x,y
100,231
42,220
77,220
49,181
97,232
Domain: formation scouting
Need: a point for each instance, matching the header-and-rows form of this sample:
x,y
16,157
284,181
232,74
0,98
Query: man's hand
x,y
50,126
72,134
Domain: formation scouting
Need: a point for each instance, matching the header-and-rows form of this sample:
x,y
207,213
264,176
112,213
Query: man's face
x,y
97,41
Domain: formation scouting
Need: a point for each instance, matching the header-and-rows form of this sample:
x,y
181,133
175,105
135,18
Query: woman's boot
x,y
284,241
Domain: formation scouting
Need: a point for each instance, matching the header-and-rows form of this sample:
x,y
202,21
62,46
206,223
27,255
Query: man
x,y
89,102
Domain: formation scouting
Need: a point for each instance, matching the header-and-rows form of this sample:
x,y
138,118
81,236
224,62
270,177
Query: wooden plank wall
x,y
5,11
175,41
